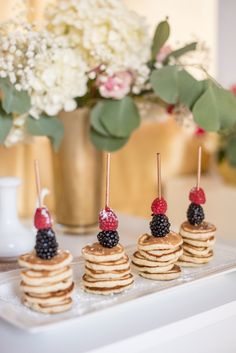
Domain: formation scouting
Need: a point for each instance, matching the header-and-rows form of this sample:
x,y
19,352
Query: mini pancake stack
x,y
159,252
156,257
47,284
198,244
107,267
107,270
198,235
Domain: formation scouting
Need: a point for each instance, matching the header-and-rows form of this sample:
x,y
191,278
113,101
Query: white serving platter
x,y
13,311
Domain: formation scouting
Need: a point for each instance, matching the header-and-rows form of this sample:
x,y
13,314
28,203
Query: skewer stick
x,y
199,166
108,180
37,179
159,175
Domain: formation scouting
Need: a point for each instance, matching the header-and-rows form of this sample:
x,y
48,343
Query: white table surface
x,y
200,317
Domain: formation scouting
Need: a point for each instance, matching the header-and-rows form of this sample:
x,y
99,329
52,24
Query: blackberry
x,y
108,238
195,214
46,244
159,225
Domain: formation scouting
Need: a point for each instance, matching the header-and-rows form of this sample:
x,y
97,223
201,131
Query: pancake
x,y
49,298
182,263
121,264
186,257
147,242
108,291
37,278
107,274
106,283
155,269
141,260
202,231
97,253
162,258
50,309
49,287
200,243
33,262
196,250
174,273
164,252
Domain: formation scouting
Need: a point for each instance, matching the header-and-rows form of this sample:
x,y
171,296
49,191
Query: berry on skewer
x,y
46,244
108,221
159,225
195,213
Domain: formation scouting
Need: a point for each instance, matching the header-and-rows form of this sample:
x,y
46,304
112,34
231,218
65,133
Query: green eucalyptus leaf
x,y
96,115
49,126
227,107
14,101
206,112
107,143
5,124
119,117
189,88
165,83
231,151
179,52
215,109
160,37
175,85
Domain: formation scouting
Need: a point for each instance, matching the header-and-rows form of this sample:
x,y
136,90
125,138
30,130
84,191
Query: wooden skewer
x,y
159,175
199,166
108,180
37,179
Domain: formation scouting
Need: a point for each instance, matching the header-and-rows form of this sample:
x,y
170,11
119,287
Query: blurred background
x,y
133,174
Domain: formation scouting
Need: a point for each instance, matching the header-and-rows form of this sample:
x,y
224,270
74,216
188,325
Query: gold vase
x,y
78,170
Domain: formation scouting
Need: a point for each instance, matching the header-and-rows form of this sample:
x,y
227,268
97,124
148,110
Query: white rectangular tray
x,y
13,311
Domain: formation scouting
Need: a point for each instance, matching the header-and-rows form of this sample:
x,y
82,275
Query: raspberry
x,y
197,196
108,219
159,206
42,218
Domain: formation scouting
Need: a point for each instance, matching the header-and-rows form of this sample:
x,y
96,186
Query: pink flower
x,y
163,53
116,86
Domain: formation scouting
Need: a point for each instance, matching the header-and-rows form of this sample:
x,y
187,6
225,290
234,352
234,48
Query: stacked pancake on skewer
x,y
198,235
198,242
159,252
47,285
47,282
107,270
157,256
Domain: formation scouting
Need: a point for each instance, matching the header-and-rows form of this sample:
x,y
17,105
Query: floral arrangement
x,y
97,53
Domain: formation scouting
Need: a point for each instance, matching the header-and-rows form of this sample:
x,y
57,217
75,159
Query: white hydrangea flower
x,y
105,32
52,73
58,80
